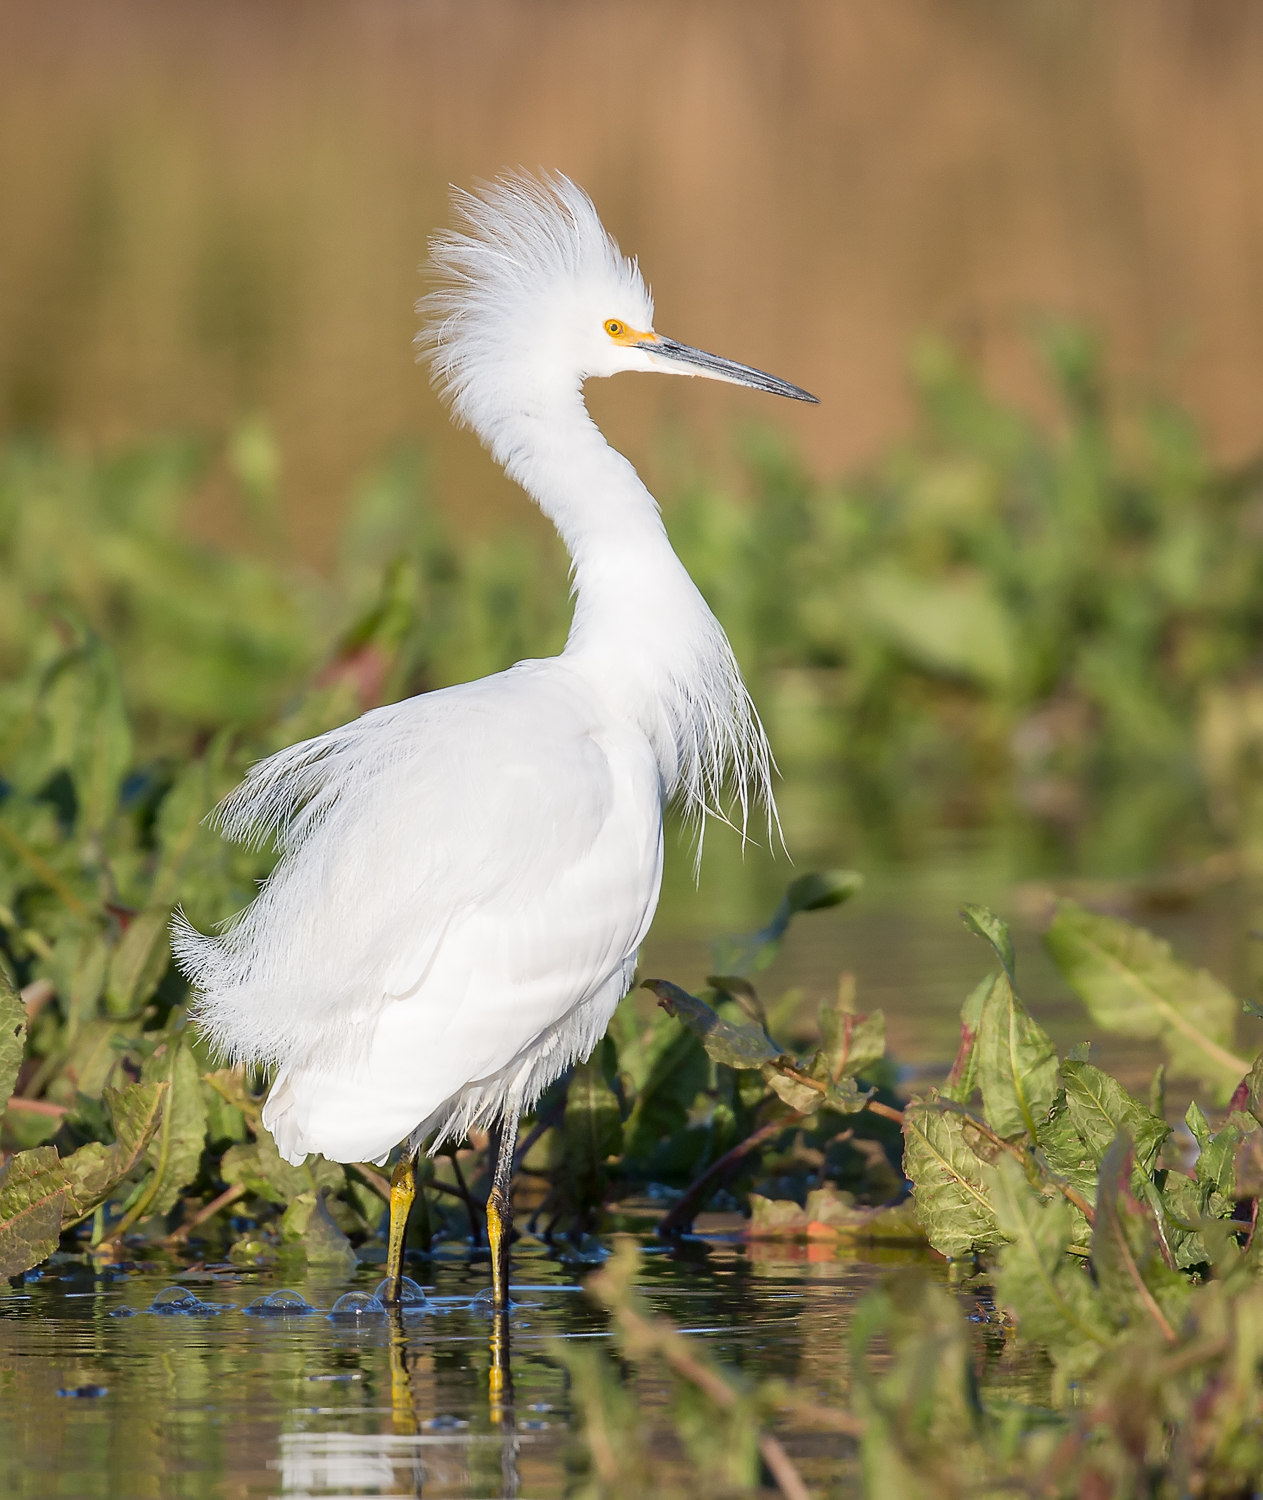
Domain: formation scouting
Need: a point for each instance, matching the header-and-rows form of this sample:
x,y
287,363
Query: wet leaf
x,y
1016,1064
776,1219
12,1037
1133,985
1099,1107
1067,1154
751,952
951,1187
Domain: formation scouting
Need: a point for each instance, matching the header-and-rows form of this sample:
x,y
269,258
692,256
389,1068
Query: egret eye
x,y
615,329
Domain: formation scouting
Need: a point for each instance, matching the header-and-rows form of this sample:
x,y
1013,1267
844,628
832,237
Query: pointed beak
x,y
682,359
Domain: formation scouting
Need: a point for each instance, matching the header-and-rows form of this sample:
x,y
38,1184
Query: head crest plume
x,y
530,255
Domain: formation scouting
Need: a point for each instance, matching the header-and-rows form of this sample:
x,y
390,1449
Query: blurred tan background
x,y
215,209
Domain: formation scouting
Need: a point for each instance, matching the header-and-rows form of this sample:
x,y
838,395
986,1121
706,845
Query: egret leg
x,y
403,1189
499,1233
500,1210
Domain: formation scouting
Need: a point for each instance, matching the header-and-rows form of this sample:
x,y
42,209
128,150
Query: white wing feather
x,y
465,879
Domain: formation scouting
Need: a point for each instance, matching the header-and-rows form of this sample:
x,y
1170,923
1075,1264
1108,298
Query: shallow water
x,y
231,1404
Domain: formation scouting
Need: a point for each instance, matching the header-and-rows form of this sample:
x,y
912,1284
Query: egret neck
x,y
641,634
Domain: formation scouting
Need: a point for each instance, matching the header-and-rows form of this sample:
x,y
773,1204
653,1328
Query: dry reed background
x,y
210,209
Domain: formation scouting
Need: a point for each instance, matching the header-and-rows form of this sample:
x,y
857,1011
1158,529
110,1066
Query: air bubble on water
x,y
411,1296
355,1307
174,1299
540,1406
178,1301
285,1303
123,1312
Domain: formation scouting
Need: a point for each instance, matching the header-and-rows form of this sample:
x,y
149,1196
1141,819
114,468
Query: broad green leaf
x,y
139,961
308,1223
175,1154
851,1044
1051,1298
750,952
1100,1107
1215,1166
1183,1204
12,1037
31,1199
92,1173
1251,1089
798,1095
1135,1283
1016,1066
260,1169
678,1068
593,1132
1133,985
963,1078
91,736
951,1186
1067,1154
77,970
982,921
735,1046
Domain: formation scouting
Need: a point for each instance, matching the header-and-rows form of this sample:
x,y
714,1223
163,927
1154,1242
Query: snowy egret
x,y
465,877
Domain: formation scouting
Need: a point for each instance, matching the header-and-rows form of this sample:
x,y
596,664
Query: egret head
x,y
533,297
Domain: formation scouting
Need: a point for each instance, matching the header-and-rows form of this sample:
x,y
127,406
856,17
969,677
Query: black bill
x,y
690,361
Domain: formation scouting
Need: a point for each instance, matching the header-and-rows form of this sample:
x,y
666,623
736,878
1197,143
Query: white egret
x,y
465,877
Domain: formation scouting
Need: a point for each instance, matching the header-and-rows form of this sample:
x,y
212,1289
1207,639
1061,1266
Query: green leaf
x,y
1067,1154
1051,1299
1199,1126
1132,985
91,736
176,1153
735,1046
12,1037
30,1211
1135,1283
1100,1107
260,1170
852,1044
32,1195
984,922
1016,1064
750,952
93,1172
308,1223
139,961
593,1132
951,1186
963,1078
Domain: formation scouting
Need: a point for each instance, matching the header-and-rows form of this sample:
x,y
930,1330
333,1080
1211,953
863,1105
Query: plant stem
x,y
680,1217
229,1195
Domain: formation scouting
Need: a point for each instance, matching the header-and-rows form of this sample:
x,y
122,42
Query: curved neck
x,y
642,634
